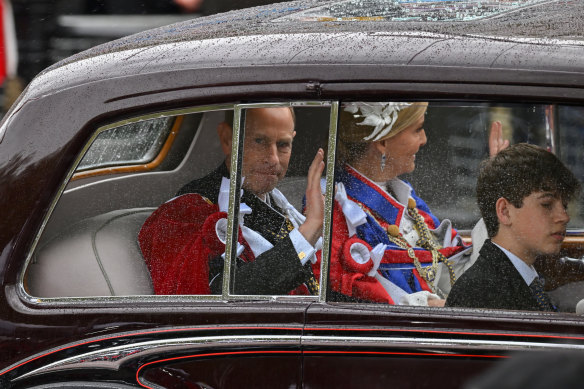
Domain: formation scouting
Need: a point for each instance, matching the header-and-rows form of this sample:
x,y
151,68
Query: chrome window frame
x,y
85,300
235,186
237,146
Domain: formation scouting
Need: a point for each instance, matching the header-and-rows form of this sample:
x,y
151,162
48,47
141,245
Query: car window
x,y
164,231
457,141
406,202
132,144
168,231
90,245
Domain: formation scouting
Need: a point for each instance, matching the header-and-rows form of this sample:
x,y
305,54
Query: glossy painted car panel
x,y
277,368
119,347
379,348
389,369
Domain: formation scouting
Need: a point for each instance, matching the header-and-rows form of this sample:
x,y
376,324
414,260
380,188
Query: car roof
x,y
559,19
536,19
542,35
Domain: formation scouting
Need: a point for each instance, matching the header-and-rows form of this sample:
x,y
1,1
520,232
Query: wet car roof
x,y
544,35
537,19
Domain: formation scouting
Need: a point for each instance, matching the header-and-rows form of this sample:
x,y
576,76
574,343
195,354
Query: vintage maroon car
x,y
101,139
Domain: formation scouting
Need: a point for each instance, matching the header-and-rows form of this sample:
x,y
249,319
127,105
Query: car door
x,y
349,344
89,262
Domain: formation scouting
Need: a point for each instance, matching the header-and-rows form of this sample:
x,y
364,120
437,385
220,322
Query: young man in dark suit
x,y
522,193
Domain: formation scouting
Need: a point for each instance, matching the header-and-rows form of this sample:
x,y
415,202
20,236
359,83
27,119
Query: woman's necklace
x,y
425,241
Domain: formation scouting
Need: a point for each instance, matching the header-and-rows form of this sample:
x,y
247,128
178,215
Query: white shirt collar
x,y
397,187
401,190
528,272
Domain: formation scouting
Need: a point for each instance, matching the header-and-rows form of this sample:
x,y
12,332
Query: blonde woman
x,y
387,246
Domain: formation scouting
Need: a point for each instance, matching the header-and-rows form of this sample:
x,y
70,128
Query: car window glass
x,y
570,127
164,231
405,202
457,141
280,144
135,143
91,245
89,224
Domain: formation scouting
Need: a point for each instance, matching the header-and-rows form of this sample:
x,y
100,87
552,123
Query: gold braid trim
x,y
425,241
428,273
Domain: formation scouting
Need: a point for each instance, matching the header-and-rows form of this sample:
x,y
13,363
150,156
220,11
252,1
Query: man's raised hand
x,y
311,229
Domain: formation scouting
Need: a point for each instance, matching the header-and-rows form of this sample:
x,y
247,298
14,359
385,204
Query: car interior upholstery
x,y
98,256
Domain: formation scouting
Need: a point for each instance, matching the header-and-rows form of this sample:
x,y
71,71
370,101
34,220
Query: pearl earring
x,y
383,159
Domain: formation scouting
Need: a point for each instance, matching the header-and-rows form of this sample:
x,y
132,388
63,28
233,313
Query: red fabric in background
x,y
2,45
172,243
179,239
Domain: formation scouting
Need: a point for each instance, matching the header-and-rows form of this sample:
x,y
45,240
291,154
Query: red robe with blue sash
x,y
350,277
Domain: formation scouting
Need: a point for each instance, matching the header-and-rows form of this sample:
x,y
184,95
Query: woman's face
x,y
401,149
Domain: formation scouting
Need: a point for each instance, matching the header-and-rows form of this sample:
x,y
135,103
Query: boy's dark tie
x,y
543,300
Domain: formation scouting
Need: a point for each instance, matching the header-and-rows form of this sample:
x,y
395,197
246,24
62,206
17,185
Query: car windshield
x,y
411,10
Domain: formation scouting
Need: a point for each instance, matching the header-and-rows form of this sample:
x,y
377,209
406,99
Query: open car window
x,y
168,229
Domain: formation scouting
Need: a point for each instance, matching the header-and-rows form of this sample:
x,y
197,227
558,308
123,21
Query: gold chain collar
x,y
426,241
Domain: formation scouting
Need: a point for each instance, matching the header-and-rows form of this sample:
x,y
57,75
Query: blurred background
x,y
37,33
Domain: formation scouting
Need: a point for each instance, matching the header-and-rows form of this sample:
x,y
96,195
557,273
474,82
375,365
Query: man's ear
x,y
503,208
225,136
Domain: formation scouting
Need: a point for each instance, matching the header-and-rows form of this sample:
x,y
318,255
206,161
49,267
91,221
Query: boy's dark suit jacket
x,y
492,282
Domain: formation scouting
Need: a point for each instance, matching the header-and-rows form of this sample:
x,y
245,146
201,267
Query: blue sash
x,y
364,191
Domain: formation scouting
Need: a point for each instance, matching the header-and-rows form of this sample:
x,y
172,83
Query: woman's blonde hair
x,y
356,130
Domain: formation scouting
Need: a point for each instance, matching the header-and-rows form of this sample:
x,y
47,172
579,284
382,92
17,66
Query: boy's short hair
x,y
515,173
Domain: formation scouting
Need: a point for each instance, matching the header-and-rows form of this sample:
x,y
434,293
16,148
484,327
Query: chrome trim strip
x,y
416,342
329,200
113,357
234,188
